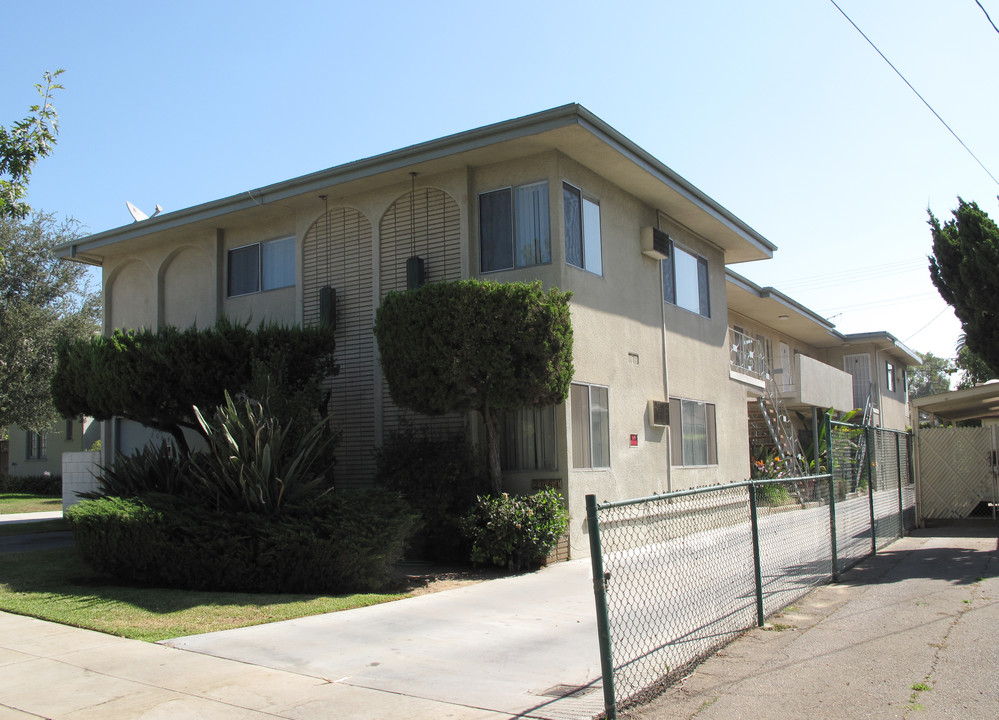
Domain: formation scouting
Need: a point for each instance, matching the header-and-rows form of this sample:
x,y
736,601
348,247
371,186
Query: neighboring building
x,y
794,364
33,453
558,196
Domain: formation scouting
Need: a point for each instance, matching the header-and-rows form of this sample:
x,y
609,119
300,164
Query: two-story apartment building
x,y
557,196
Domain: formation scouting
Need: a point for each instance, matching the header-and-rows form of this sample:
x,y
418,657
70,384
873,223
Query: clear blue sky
x,y
780,111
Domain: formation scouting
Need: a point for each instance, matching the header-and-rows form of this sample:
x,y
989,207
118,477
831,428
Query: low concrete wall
x,y
79,470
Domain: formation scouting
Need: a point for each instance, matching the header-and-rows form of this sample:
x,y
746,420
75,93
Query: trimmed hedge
x,y
339,543
50,485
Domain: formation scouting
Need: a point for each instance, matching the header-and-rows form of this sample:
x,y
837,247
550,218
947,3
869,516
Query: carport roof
x,y
981,401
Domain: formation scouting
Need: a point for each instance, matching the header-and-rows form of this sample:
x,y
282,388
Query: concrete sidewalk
x,y
923,613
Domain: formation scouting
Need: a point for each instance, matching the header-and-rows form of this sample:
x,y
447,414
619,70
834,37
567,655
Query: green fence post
x,y
600,598
869,432
756,554
832,498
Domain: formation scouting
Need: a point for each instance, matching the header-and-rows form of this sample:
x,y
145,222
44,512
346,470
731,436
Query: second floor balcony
x,y
802,381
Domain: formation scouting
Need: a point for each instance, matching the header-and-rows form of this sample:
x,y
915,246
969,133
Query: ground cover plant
x,y
58,586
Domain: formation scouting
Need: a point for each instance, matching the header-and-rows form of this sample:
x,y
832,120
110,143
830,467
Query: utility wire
x,y
980,163
946,308
987,16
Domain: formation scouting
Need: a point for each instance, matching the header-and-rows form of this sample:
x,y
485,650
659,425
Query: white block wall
x,y
79,470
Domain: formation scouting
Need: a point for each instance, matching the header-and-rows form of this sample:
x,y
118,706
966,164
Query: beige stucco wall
x,y
187,288
823,386
84,435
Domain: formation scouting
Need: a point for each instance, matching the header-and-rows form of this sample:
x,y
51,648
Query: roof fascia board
x,y
769,293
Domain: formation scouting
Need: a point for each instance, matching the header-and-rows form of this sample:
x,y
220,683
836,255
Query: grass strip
x,y
56,585
27,502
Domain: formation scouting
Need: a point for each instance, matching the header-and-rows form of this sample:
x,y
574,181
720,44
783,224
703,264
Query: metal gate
x,y
957,473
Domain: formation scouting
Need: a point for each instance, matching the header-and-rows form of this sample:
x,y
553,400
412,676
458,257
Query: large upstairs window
x,y
582,230
685,281
514,229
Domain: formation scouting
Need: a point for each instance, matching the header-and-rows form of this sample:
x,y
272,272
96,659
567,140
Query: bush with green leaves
x,y
343,542
441,479
476,345
157,377
255,464
50,485
516,531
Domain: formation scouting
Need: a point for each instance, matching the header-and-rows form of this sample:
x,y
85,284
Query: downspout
x,y
669,438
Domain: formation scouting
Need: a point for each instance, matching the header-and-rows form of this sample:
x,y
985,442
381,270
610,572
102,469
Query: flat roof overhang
x,y
570,129
776,310
981,401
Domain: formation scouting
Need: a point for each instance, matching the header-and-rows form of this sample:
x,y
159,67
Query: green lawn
x,y
56,585
25,502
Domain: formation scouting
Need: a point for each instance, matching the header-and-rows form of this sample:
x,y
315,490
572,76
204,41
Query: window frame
x,y
586,243
544,249
890,376
592,462
702,278
678,433
260,285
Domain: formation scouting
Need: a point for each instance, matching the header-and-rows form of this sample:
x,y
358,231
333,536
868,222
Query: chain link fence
x,y
679,575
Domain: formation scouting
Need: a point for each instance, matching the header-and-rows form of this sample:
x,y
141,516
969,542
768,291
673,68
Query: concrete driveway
x,y
514,646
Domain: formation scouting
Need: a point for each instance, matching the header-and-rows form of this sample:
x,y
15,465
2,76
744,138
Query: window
x,y
692,440
890,376
262,266
514,228
527,439
36,446
685,281
582,230
590,426
69,430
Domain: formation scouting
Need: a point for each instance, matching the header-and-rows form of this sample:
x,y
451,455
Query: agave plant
x,y
255,464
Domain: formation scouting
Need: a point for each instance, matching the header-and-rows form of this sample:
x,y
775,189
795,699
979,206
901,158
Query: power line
x,y
871,43
987,16
946,308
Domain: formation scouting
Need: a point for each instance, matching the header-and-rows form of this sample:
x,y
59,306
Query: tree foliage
x,y
156,378
965,269
23,144
470,345
931,377
43,300
973,369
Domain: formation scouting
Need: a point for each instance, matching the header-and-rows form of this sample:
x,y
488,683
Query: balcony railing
x,y
746,356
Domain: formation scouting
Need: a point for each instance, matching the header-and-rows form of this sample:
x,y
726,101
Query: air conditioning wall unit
x,y
655,243
658,413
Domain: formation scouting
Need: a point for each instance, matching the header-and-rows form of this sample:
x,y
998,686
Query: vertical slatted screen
x,y
425,223
337,253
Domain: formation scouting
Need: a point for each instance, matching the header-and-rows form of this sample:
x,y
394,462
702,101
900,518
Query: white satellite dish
x,y
138,215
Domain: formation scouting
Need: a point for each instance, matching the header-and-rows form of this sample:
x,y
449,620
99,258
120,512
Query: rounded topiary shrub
x,y
342,542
